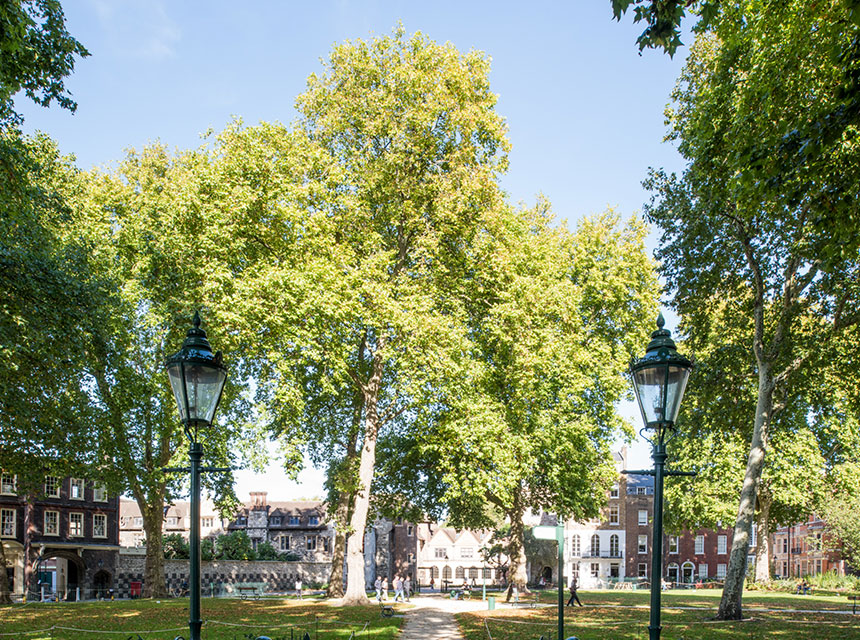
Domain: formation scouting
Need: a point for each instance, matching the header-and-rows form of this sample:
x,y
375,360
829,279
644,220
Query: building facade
x,y
805,549
62,543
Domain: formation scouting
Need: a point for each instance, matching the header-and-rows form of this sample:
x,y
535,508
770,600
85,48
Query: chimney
x,y
258,500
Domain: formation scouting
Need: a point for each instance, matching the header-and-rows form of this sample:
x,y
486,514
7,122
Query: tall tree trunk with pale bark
x,y
516,548
762,550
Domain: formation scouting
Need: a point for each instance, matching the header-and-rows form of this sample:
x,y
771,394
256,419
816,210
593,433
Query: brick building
x,y
63,542
805,549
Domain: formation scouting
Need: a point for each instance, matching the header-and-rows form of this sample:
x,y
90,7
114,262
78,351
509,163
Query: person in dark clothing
x,y
573,595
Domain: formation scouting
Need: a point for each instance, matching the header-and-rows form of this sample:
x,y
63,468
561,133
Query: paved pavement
x,y
433,618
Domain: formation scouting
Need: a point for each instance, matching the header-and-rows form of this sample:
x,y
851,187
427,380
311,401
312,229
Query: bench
x,y
386,610
249,589
854,604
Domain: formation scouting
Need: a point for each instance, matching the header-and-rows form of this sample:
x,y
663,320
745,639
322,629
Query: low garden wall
x,y
217,577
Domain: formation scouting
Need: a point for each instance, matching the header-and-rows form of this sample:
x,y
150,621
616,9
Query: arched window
x,y
574,545
435,573
446,572
473,573
460,573
613,546
595,546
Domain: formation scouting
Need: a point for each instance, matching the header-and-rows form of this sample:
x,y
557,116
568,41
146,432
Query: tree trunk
x,y
516,548
154,585
342,518
5,597
730,604
762,550
356,592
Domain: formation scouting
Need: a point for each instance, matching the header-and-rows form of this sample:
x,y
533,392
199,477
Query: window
x,y
643,544
8,483
721,571
460,573
673,544
282,543
76,525
640,491
613,492
467,552
488,573
643,517
574,545
76,489
52,523
327,543
275,521
139,540
595,569
700,544
312,543
99,492
439,552
785,545
99,525
613,514
721,544
208,521
595,545
294,521
642,570
138,523
446,573
754,538
7,523
613,546
409,530
172,521
313,521
614,570
242,521
52,486
473,573
703,571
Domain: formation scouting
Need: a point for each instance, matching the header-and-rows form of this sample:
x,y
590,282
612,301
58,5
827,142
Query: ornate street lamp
x,y
659,380
197,378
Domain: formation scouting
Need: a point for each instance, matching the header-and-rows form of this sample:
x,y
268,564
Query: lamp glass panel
x,y
203,384
174,372
675,386
649,385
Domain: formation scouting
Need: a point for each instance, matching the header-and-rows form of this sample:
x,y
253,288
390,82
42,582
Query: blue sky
x,y
584,109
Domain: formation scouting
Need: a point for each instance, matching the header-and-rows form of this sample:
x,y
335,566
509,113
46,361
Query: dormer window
x,y
275,521
294,521
242,521
313,521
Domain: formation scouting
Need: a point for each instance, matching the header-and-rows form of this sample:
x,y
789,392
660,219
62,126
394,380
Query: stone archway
x,y
102,584
73,585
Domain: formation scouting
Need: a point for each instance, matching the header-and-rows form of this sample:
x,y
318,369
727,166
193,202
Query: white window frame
x,y
613,492
138,522
409,530
642,570
721,570
700,545
641,491
56,483
575,545
614,514
643,517
76,488
614,546
171,521
8,484
99,492
46,530
72,520
595,569
722,545
207,521
673,544
440,552
99,518
642,543
703,571
467,552
8,523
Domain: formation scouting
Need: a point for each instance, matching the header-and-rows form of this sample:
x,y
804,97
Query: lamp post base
x,y
654,632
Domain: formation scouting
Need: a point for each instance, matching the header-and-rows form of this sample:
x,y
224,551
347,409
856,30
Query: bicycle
x,y
180,591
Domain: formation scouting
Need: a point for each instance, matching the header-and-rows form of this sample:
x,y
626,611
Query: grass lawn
x,y
225,619
623,615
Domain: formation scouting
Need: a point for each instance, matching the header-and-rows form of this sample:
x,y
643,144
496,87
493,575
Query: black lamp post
x,y
659,380
197,379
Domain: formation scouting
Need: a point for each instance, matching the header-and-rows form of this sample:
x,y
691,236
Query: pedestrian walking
x,y
299,588
385,594
398,588
573,595
378,586
407,588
